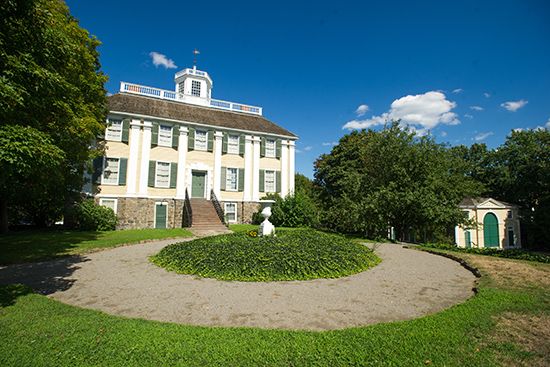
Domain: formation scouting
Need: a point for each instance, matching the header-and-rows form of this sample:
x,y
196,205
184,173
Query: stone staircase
x,y
205,219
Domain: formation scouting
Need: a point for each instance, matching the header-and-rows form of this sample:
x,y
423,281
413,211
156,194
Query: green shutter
x,y
98,170
278,181
175,136
223,179
155,135
241,179
262,180
224,143
210,136
262,147
278,144
125,131
122,169
241,145
173,174
191,139
152,173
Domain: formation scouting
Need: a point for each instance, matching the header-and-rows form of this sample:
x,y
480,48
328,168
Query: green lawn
x,y
38,331
28,246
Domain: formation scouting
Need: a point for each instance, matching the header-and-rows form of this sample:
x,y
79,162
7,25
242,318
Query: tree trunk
x,y
3,216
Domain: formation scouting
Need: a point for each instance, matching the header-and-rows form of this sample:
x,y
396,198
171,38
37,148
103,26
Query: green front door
x,y
490,230
467,239
198,184
160,216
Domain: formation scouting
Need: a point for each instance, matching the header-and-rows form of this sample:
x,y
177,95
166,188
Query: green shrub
x,y
297,210
292,255
509,254
92,217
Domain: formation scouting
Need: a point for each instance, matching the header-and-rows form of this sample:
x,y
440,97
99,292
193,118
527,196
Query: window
x,y
233,144
510,216
162,174
195,88
109,203
269,181
114,130
165,135
231,179
270,148
110,173
231,212
201,140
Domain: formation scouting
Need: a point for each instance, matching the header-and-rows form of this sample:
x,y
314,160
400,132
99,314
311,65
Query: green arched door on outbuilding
x,y
490,230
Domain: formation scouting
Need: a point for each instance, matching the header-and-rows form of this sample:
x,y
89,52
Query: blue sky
x,y
466,71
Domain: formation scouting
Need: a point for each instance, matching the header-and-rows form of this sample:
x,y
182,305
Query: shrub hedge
x,y
292,255
509,253
92,217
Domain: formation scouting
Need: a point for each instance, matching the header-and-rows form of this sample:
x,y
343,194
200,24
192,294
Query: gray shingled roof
x,y
474,202
130,103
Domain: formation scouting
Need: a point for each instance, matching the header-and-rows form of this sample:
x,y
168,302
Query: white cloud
x,y
483,136
517,130
308,148
467,115
421,112
487,95
548,124
329,143
458,90
513,106
443,133
361,110
476,108
161,60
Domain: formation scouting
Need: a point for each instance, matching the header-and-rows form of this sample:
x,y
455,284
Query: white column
x,y
182,163
217,162
145,154
131,182
291,157
256,169
248,161
284,168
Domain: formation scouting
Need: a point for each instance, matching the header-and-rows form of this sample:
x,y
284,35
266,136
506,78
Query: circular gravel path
x,y
121,281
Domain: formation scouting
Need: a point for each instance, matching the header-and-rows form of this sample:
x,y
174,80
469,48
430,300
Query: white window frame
x,y
103,182
168,140
196,86
270,152
205,148
274,181
226,211
233,148
109,132
157,174
228,182
115,203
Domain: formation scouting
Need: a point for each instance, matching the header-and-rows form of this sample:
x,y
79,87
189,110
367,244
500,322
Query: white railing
x,y
179,97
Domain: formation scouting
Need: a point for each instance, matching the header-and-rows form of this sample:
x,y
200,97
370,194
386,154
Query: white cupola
x,y
194,86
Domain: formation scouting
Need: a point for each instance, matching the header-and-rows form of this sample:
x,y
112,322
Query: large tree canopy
x,y
392,178
50,80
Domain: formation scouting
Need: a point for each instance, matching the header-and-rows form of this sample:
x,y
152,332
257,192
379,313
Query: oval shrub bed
x,y
293,255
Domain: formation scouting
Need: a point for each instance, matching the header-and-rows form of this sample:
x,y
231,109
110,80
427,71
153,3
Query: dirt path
x,y
121,281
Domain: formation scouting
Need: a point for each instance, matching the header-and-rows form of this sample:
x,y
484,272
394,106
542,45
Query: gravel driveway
x,y
121,281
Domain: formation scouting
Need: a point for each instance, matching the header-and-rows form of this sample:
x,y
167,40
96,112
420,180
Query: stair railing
x,y
218,207
187,211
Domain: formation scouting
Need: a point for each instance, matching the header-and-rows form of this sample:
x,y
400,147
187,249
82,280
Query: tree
x,y
27,159
373,180
50,80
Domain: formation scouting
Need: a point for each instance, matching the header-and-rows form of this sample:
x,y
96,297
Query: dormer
x,y
194,86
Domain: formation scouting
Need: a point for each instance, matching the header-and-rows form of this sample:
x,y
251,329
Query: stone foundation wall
x,y
247,210
137,213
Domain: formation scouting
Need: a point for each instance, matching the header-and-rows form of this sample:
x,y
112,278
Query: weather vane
x,y
195,53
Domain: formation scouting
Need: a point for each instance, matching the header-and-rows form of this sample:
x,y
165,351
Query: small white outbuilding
x,y
497,224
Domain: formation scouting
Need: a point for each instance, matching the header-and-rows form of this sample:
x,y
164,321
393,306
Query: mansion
x,y
168,153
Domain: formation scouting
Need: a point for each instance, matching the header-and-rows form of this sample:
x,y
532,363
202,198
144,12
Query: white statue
x,y
266,227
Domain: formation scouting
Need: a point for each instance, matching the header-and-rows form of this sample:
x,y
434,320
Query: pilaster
x,y
284,168
291,172
145,154
248,164
182,162
217,162
131,182
256,168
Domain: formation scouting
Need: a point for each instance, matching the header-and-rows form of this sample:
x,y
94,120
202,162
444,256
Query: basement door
x,y
198,184
160,215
